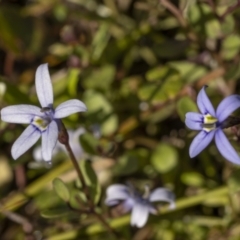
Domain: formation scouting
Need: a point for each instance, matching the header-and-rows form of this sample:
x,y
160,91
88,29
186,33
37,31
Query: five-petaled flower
x,y
140,205
43,121
211,124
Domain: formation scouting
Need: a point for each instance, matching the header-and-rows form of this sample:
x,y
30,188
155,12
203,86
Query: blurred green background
x,y
138,65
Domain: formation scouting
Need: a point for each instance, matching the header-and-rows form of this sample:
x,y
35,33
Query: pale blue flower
x,y
210,123
140,205
42,121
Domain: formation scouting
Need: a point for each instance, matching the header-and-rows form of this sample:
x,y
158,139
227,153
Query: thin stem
x,y
81,211
230,10
90,202
105,223
64,139
231,121
76,166
177,13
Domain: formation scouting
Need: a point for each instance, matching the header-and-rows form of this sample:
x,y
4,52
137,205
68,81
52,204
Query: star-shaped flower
x,y
140,205
211,123
42,121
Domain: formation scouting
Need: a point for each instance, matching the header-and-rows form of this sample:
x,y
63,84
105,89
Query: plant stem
x,y
64,139
105,223
76,166
177,13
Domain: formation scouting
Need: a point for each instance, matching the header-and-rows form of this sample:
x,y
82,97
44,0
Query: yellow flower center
x,y
41,123
209,122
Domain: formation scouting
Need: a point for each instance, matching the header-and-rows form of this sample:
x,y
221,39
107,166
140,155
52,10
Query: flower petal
x,y
193,116
193,125
69,107
225,148
128,204
194,120
200,142
74,142
37,154
20,113
78,132
49,140
44,86
227,106
116,192
154,211
139,215
204,104
162,194
26,140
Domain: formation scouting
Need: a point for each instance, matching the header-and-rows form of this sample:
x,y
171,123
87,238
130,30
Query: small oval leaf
x,y
192,179
61,189
55,213
91,180
89,143
184,105
164,158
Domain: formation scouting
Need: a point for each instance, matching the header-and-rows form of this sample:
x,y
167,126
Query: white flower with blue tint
x,y
140,205
211,124
42,121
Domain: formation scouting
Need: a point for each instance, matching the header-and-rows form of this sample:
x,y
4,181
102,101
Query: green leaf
x,y
100,110
164,158
146,91
60,11
233,72
230,47
228,25
234,181
185,105
15,30
100,41
101,78
60,49
189,71
162,114
91,180
78,199
203,20
160,73
167,87
89,143
12,94
59,86
126,164
2,90
170,48
61,189
185,5
148,55
55,213
72,79
169,23
192,179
